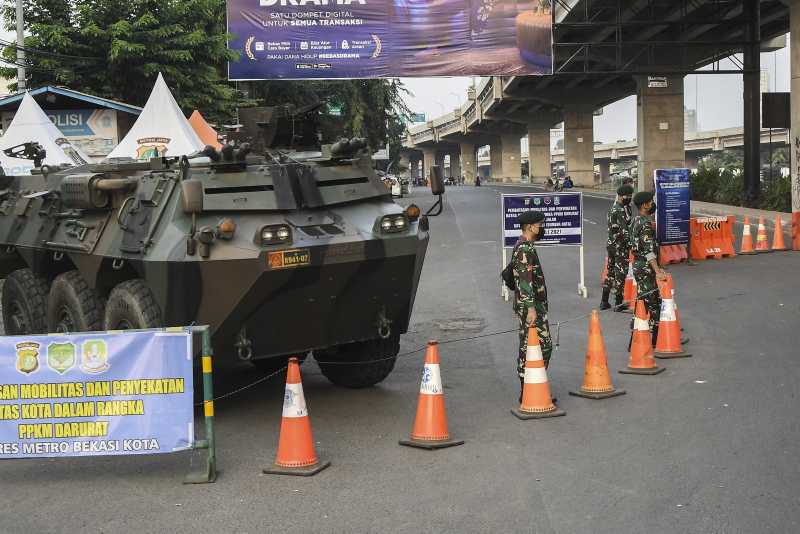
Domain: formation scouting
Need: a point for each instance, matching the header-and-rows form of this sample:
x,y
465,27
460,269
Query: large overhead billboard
x,y
293,39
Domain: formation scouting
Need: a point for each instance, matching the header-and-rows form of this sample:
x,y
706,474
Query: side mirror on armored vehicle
x,y
192,196
437,181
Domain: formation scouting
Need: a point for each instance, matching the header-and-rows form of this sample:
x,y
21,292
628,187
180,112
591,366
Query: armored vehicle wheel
x,y
24,303
359,375
131,305
72,305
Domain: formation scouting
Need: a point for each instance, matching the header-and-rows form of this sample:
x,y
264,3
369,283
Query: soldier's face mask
x,y
652,209
626,200
538,231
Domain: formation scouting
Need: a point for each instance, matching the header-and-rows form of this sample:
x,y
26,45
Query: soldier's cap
x,y
642,197
624,190
531,217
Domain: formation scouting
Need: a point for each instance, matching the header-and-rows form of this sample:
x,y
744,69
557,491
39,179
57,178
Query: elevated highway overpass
x,y
606,50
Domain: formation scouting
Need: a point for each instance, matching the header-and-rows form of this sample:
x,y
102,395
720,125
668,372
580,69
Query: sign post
x,y
673,197
563,224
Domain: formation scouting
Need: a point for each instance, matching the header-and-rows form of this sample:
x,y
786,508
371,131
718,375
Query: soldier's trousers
x,y
542,328
617,270
648,292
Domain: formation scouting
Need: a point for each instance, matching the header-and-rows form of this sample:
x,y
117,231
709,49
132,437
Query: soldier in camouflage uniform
x,y
646,269
530,296
617,248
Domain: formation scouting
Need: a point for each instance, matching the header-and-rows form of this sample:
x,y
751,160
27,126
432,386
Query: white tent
x,y
160,130
30,124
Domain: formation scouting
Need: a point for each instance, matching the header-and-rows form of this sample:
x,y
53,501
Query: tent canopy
x,y
160,130
204,131
30,124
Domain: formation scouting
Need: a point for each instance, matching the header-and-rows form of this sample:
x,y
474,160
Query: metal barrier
x,y
208,473
712,237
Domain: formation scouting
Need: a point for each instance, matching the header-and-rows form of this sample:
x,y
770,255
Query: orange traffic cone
x,y
596,378
641,360
668,344
747,238
777,238
629,291
762,245
536,400
296,454
684,340
430,425
796,230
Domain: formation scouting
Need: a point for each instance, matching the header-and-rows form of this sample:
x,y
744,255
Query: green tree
x,y
116,49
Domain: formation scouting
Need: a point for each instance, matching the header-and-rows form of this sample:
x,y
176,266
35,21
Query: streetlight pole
x,y
21,86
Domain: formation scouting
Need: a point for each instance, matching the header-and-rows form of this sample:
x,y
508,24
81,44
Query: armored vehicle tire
x,y
24,303
72,305
359,375
131,305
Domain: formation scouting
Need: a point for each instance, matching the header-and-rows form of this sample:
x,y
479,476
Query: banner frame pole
x,y
207,473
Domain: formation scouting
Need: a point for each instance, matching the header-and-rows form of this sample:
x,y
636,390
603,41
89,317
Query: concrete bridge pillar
x,y
579,145
659,128
455,164
468,162
794,139
605,170
539,153
428,161
505,156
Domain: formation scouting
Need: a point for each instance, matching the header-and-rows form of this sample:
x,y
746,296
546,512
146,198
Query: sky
x,y
717,97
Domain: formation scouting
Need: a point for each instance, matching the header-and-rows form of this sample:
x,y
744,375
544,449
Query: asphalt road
x,y
709,446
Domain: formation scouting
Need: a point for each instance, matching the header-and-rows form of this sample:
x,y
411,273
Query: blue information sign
x,y
673,195
96,394
563,224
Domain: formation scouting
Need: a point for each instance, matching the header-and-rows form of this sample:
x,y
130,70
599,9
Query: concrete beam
x,y
659,128
579,145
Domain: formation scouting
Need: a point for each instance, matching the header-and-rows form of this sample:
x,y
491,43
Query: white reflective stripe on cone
x,y
640,324
761,227
535,375
431,380
667,310
294,403
534,353
746,229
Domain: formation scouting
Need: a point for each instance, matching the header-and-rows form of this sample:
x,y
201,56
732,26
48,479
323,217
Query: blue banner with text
x,y
673,197
96,393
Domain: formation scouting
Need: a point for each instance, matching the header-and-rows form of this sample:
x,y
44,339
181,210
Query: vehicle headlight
x,y
274,234
393,223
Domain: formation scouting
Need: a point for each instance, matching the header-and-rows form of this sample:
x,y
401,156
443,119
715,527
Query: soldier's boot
x,y
604,305
655,334
521,388
618,305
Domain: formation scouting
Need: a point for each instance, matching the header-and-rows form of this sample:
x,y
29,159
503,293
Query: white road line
x,y
589,221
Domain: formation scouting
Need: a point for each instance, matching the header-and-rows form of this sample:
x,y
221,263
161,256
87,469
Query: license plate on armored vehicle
x,y
289,258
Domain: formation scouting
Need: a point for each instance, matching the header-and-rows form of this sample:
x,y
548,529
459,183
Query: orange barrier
x,y
712,237
796,230
596,378
777,238
641,360
762,245
430,424
672,254
296,454
604,274
536,400
668,344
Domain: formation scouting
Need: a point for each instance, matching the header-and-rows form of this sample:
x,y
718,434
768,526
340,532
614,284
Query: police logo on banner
x,y
27,357
61,357
94,356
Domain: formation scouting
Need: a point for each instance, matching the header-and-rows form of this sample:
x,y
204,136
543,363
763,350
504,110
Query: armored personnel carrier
x,y
283,253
